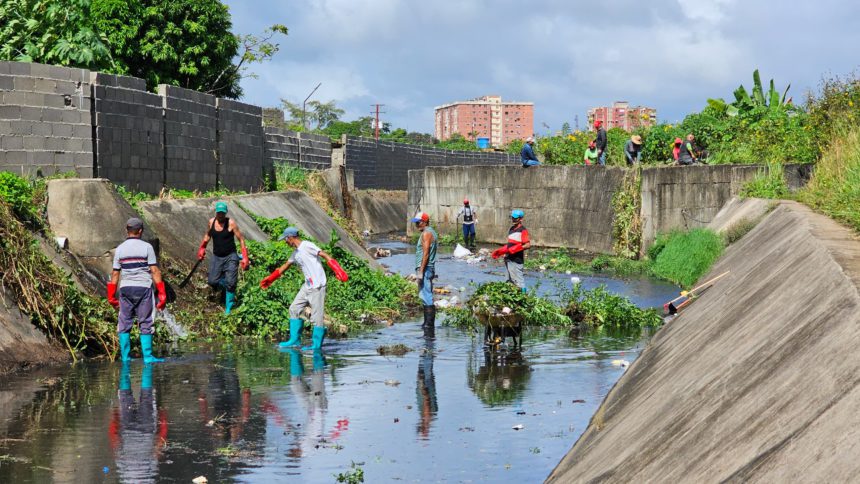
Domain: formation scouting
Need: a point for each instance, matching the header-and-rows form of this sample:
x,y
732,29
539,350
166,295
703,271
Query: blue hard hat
x,y
517,214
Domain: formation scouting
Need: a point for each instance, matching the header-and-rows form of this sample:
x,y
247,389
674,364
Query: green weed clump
x,y
683,257
599,308
289,177
769,182
737,230
493,297
627,224
563,260
835,185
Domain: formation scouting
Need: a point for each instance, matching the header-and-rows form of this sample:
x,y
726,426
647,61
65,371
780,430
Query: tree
x,y
565,129
325,113
51,32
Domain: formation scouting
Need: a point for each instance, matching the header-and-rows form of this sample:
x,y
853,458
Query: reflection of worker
x,y
224,267
307,256
134,270
514,250
425,265
470,218
312,394
425,389
137,431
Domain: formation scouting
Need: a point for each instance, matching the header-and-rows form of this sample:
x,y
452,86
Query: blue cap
x,y
289,232
517,214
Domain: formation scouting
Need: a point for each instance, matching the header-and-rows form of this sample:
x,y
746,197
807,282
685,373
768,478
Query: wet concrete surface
x,y
443,412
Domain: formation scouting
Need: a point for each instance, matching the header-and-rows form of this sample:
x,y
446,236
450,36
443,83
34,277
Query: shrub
x,y
737,230
835,184
769,182
686,256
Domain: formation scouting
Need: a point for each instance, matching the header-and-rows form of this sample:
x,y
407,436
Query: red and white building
x,y
621,115
486,117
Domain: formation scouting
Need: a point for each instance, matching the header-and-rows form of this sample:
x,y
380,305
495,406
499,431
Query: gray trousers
x,y
515,273
226,268
313,297
136,303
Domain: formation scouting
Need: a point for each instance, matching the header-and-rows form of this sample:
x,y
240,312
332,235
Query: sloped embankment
x,y
759,380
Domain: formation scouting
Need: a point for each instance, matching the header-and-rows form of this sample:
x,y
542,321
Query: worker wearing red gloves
x,y
134,270
224,268
514,250
312,293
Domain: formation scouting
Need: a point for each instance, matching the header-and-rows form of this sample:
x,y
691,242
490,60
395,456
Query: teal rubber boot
x,y
146,349
125,347
125,377
230,300
295,334
319,360
297,368
146,378
316,339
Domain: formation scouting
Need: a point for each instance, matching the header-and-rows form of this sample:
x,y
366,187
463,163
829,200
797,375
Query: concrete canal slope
x,y
759,380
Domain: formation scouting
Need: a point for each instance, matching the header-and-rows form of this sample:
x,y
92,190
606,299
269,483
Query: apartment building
x,y
621,115
486,117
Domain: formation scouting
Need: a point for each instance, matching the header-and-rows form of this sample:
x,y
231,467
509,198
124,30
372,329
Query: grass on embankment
x,y
834,188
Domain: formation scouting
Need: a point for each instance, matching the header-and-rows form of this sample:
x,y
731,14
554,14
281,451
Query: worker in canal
x,y
312,294
425,265
514,250
224,267
470,218
135,268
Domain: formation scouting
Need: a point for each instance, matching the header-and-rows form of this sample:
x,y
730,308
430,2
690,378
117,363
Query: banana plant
x,y
746,101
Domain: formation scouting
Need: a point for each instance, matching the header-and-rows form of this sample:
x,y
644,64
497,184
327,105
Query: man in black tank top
x,y
224,267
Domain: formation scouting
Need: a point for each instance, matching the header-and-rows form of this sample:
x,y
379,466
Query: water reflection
x,y
138,429
425,389
497,377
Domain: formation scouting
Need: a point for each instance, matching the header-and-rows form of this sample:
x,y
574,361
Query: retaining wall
x,y
757,381
385,164
190,138
305,150
380,211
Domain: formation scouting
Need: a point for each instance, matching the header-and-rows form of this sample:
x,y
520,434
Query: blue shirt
x,y
527,153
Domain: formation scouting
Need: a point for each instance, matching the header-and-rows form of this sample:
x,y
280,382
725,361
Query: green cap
x,y
221,207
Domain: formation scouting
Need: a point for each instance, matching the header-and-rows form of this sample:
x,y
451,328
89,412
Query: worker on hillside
x,y
470,218
425,266
514,250
633,150
687,155
600,142
312,293
676,149
135,268
527,154
590,155
224,268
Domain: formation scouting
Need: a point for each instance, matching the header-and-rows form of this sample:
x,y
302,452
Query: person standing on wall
x,y
514,250
135,268
590,155
224,267
687,155
527,154
470,218
633,150
600,142
307,256
425,266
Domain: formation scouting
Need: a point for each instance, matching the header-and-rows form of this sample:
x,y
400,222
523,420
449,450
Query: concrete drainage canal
x,y
445,410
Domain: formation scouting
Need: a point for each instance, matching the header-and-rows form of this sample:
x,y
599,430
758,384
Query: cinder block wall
x,y
45,120
305,150
190,138
240,145
385,164
128,132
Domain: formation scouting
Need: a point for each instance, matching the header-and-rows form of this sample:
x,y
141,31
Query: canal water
x,y
446,411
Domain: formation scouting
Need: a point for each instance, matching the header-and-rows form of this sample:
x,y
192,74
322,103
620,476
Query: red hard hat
x,y
466,201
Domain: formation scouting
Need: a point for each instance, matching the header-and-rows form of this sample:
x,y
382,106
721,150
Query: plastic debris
x,y
575,280
392,383
461,252
518,427
621,363
506,310
200,480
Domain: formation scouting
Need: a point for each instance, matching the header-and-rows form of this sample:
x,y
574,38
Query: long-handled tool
x,y
188,277
686,297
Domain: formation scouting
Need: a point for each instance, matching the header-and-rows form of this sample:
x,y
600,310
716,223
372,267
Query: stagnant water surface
x,y
445,411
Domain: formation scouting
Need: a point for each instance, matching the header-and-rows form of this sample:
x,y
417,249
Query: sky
x,y
565,56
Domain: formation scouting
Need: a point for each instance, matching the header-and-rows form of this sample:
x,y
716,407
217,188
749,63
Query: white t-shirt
x,y
306,257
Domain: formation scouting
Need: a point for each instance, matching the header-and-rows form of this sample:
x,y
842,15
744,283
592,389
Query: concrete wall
x,y
128,132
565,206
385,164
755,382
240,145
45,119
380,211
22,345
305,150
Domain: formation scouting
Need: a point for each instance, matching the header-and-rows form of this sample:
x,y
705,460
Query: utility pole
x,y
304,126
376,126
576,121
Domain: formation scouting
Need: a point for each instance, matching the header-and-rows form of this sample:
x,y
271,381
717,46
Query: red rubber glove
x,y
162,296
201,254
339,273
111,295
265,283
515,248
246,262
500,252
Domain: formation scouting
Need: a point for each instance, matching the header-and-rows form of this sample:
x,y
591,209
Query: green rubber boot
x,y
295,334
125,347
316,339
230,300
146,349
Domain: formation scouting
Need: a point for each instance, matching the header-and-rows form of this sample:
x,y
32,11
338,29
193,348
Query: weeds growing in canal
x,y
683,257
563,260
599,308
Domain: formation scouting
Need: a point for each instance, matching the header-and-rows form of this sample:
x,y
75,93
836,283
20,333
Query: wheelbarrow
x,y
500,326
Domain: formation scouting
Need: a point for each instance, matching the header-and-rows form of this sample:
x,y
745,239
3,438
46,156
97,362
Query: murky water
x,y
445,411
